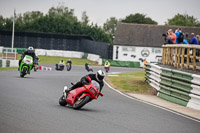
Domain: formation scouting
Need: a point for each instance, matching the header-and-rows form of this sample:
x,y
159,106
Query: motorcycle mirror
x,y
101,94
72,83
88,78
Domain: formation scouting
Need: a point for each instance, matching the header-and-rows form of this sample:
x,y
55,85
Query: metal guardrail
x,y
175,86
181,56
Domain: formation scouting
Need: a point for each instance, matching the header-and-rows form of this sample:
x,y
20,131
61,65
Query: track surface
x,y
30,105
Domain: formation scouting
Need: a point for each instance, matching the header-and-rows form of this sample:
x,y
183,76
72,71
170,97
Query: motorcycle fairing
x,y
89,90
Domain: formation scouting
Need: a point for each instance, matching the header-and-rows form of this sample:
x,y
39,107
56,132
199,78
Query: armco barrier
x,y
175,86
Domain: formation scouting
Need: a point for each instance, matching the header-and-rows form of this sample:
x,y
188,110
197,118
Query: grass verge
x,y
56,59
7,68
133,82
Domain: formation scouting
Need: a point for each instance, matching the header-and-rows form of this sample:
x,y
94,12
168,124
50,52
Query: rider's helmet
x,y
100,75
106,61
61,60
30,49
69,59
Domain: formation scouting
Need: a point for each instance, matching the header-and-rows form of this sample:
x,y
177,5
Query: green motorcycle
x,y
26,65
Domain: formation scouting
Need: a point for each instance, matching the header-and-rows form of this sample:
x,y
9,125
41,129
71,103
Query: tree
x,y
85,18
2,22
110,25
183,20
59,19
138,19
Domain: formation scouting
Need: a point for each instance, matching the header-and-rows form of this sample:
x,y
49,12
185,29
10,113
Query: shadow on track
x,y
82,109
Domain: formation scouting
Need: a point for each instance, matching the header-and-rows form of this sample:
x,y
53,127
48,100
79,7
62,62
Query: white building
x,y
136,42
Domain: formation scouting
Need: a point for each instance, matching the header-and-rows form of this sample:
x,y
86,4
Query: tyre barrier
x,y
175,86
8,63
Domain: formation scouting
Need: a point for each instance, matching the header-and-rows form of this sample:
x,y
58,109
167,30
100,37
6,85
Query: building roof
x,y
145,35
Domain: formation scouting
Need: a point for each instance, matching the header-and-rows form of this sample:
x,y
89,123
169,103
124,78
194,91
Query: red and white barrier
x,y
45,68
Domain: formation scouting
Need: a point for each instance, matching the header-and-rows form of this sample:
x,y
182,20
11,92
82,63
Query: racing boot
x,y
66,91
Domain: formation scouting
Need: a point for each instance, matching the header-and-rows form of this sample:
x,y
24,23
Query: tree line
x,y
61,19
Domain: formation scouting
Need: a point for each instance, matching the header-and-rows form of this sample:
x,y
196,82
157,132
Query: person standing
x,y
167,39
179,36
194,39
195,42
172,35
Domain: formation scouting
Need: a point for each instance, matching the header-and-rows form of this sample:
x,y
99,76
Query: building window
x,y
156,50
125,54
130,49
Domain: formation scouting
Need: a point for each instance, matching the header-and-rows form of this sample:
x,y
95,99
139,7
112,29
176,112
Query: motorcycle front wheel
x,y
81,102
23,73
62,101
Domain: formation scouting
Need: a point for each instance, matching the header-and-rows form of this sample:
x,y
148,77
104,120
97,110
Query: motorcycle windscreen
x,y
94,89
28,59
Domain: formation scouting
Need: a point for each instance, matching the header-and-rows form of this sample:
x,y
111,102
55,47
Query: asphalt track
x,y
30,105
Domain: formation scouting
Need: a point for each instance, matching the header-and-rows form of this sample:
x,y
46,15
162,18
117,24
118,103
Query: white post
x,y
13,31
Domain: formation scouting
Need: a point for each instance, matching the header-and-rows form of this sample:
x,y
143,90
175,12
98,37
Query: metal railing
x,y
9,53
181,56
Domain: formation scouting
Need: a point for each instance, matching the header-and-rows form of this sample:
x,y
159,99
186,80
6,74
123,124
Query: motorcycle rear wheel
x,y
68,68
81,102
62,101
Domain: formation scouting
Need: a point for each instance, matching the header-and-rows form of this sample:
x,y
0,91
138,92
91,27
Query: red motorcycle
x,y
78,97
107,68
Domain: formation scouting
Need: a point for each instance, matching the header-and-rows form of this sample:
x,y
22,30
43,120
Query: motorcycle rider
x,y
69,64
61,63
30,52
87,67
99,76
107,63
69,61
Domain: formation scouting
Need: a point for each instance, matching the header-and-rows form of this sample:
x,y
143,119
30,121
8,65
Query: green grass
x,y
7,68
54,60
130,82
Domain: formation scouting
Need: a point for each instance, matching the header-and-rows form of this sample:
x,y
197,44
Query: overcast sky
x,y
101,10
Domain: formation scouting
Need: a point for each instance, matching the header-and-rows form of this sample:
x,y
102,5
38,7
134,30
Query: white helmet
x,y
30,49
100,75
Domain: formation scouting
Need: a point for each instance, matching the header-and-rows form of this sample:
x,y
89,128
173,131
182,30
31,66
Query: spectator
x,y
179,36
194,39
172,35
198,38
195,42
185,41
167,39
187,37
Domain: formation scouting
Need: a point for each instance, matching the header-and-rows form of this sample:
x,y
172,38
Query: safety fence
x,y
181,56
175,86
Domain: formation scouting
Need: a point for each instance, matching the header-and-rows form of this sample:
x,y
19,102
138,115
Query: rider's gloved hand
x,y
84,81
